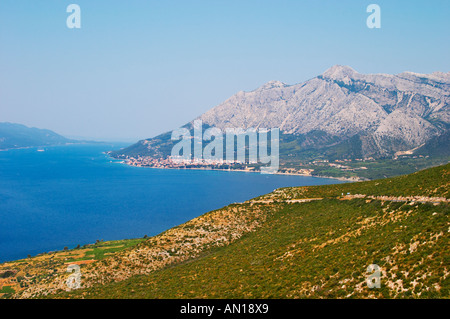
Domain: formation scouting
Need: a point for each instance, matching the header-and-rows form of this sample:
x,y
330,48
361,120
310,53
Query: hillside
x,y
17,136
301,242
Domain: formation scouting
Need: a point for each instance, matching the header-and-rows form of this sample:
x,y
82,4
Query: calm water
x,y
75,194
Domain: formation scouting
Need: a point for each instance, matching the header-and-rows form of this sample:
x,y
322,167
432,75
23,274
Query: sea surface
x,y
75,194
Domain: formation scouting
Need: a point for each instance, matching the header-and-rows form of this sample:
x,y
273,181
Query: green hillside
x,y
321,249
434,182
301,253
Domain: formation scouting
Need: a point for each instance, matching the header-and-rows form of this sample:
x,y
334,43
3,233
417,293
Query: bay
x,y
72,195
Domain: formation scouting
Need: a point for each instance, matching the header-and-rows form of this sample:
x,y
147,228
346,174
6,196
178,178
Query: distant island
x,y
13,136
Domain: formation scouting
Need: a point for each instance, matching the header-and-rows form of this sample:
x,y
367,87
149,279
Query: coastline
x,y
344,179
50,145
108,163
18,148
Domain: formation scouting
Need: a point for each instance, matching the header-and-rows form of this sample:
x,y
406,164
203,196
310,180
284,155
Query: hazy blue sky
x,y
139,68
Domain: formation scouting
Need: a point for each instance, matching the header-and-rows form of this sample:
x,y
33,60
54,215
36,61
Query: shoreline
x,y
51,145
121,161
344,179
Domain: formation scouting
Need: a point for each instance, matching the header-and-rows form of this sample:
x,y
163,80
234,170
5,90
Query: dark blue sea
x,y
76,194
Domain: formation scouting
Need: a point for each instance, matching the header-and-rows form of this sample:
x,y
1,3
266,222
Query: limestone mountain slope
x,y
369,115
389,112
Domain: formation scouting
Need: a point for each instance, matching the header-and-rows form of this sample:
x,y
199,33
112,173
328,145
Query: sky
x,y
136,69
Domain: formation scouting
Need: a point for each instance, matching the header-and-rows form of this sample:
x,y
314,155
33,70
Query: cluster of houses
x,y
170,162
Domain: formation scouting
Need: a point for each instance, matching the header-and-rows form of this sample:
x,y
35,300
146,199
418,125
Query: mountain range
x,y
17,136
338,114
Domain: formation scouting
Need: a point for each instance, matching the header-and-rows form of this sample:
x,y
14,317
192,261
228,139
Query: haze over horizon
x,y
135,70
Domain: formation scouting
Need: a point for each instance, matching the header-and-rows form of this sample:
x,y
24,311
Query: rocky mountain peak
x,y
339,72
271,85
